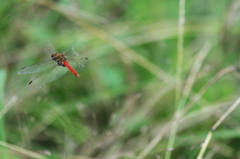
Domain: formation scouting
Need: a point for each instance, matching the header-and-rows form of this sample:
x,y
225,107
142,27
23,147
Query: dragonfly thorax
x,y
59,58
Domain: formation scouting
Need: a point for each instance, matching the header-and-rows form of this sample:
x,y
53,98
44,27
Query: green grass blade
x,y
2,127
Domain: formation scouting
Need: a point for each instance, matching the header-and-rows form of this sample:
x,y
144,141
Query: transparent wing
x,y
78,63
47,77
38,67
71,52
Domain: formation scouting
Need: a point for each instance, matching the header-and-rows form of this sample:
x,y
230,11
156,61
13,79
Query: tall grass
x,y
161,74
4,152
180,100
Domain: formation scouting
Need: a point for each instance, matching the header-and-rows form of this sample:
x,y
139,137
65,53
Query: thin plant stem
x,y
179,103
4,155
215,126
21,150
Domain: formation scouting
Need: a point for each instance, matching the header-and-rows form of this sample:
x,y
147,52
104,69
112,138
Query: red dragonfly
x,y
55,67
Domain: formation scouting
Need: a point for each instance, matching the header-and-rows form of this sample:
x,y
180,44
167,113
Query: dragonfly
x,y
55,67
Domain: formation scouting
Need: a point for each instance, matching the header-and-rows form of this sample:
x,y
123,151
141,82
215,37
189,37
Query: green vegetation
x,y
155,88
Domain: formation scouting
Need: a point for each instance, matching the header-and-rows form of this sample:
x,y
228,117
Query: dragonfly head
x,y
54,56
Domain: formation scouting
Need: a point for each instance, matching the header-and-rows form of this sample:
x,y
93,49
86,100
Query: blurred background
x,y
124,105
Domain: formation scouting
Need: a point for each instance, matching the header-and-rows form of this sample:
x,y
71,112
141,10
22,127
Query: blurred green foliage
x,y
126,97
